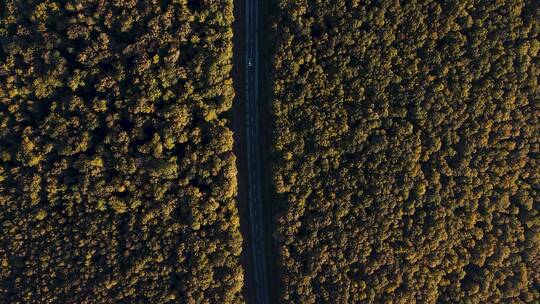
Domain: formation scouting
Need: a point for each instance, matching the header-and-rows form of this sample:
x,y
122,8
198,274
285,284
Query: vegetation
x,y
407,144
117,178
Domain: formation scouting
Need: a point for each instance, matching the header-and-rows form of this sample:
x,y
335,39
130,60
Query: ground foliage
x,y
407,144
117,178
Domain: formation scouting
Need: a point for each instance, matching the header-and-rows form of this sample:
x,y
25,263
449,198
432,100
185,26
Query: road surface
x,y
253,155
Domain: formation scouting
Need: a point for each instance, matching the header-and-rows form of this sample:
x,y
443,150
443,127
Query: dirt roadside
x,y
267,45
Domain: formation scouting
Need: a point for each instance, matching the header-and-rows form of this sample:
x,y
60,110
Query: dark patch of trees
x,y
406,148
117,177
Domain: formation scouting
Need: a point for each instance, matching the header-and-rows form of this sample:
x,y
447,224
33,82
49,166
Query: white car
x,y
249,62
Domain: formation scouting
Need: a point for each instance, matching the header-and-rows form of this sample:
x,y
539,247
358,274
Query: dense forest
x,y
406,151
117,178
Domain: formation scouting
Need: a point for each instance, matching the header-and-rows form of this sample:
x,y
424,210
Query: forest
x,y
406,151
117,176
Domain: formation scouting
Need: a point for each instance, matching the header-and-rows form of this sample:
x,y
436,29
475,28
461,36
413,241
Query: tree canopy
x,y
406,151
117,177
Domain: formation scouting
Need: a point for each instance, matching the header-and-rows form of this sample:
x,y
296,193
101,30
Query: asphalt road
x,y
253,149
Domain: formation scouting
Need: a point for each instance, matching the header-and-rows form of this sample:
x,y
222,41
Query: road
x,y
253,150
